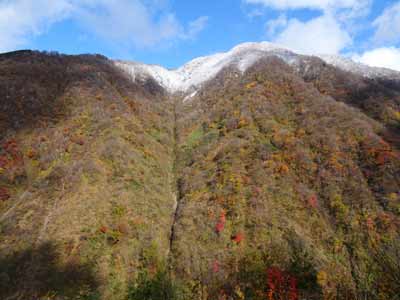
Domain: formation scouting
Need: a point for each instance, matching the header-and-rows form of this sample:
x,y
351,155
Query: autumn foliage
x,y
4,194
215,266
313,201
266,170
103,229
11,155
238,238
382,152
281,286
219,227
3,161
11,147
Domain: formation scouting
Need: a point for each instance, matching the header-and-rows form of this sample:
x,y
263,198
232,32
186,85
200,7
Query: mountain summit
x,y
279,179
192,75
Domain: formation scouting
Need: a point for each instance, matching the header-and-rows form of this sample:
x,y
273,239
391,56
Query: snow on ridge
x,y
350,65
192,75
166,78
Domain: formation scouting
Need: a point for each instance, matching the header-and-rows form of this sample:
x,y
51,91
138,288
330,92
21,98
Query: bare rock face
x,y
252,174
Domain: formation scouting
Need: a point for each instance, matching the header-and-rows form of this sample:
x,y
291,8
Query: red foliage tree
x,y
281,286
11,147
313,201
219,227
103,229
222,295
370,224
238,238
385,157
215,266
293,293
274,281
4,194
11,154
3,161
222,217
221,223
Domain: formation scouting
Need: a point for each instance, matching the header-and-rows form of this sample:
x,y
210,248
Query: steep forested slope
x,y
378,97
86,177
278,177
280,182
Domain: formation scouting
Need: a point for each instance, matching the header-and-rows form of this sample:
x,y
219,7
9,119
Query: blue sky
x,y
172,32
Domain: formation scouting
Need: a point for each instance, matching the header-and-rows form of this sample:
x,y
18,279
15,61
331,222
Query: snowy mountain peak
x,y
192,75
261,46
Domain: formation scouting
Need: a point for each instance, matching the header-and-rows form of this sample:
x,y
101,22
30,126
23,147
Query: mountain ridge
x,y
189,77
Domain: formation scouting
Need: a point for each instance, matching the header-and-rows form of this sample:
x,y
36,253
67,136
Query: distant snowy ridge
x,y
192,75
349,65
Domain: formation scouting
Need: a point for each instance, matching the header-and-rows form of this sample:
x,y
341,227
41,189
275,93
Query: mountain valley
x,y
253,174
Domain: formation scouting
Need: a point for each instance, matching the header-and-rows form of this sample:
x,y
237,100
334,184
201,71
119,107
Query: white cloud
x,y
329,33
127,22
381,57
195,27
311,4
321,35
275,25
388,25
22,19
138,23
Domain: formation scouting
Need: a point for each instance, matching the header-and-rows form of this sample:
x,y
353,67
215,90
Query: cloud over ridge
x,y
135,23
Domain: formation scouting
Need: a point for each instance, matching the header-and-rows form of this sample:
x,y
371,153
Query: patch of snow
x,y
139,71
192,75
190,96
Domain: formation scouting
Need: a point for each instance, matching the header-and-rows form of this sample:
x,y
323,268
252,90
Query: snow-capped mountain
x,y
192,75
97,169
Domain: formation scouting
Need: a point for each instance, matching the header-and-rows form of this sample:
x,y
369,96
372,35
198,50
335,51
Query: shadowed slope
x,y
36,273
86,160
